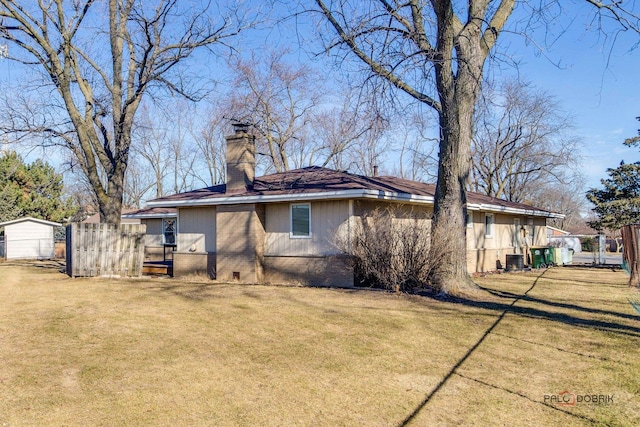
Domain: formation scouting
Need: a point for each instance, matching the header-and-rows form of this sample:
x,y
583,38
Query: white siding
x,y
197,226
326,218
29,239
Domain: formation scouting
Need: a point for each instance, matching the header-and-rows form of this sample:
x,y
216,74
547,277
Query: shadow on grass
x,y
44,264
189,291
511,295
511,308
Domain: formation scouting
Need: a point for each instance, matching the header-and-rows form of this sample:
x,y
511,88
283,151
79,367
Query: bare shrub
x,y
391,248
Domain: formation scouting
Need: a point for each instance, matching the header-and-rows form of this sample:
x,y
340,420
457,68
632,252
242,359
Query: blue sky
x,y
596,81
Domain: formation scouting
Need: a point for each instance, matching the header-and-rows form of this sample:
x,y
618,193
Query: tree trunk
x,y
110,212
458,91
631,245
449,222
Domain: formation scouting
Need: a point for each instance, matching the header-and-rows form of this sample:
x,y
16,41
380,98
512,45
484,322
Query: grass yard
x,y
78,352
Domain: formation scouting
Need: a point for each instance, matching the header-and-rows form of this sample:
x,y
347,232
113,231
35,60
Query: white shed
x,y
29,238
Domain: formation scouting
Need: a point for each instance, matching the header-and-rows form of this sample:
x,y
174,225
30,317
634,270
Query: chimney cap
x,y
240,127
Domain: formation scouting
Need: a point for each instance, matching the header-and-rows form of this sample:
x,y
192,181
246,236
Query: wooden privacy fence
x,y
631,248
105,250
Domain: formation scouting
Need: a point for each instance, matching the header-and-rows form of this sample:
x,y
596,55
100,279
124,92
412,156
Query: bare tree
x,y
211,147
522,142
567,199
278,99
416,158
181,150
101,76
343,131
435,52
150,153
369,151
139,182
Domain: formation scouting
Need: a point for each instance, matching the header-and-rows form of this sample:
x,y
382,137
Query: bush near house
x,y
391,249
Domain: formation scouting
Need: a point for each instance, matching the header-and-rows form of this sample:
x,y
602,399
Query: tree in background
x,y
567,199
211,146
618,203
278,99
522,142
98,61
34,190
635,140
300,119
348,134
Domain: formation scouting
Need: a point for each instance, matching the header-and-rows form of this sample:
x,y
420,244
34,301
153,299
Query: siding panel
x,y
154,231
197,226
326,217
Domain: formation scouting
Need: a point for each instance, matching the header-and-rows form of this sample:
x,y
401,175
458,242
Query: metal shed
x,y
28,238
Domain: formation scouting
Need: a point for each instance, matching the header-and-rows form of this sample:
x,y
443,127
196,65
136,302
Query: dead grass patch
x,y
164,352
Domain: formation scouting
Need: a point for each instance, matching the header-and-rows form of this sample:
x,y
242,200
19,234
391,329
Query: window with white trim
x,y
169,231
488,225
301,220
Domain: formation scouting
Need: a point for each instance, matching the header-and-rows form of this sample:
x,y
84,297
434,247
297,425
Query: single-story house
x,y
279,228
29,238
162,229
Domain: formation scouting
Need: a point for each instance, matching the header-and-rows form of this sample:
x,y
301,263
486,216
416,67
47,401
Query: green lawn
x,y
163,352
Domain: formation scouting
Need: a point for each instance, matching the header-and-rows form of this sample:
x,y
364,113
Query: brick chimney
x,y
241,159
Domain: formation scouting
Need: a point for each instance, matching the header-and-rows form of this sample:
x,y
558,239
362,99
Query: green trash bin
x,y
553,256
541,256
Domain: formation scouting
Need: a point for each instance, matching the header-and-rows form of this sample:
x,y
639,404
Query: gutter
x,y
149,216
516,211
344,194
325,195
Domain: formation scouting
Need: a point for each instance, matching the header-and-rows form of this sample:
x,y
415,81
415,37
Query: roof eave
x,y
149,216
39,221
321,195
346,194
516,211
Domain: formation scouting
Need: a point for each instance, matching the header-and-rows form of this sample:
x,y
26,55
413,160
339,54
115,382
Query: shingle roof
x,y
312,179
318,180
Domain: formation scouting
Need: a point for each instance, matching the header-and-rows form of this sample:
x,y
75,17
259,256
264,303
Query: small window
x,y
301,220
169,231
488,225
469,219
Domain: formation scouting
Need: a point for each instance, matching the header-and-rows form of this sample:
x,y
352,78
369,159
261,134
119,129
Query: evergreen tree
x,y
618,203
34,190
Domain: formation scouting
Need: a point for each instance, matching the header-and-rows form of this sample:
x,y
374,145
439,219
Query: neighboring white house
x,y
29,238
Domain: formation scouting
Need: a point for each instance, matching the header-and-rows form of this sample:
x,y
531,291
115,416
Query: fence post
x,y
602,245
